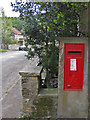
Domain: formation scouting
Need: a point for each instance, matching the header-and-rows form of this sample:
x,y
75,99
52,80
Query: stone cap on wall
x,y
74,39
31,71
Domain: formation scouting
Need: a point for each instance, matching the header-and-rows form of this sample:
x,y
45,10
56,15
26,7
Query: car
x,y
22,47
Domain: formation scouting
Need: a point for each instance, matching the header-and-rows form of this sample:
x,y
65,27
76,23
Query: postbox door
x,y
73,66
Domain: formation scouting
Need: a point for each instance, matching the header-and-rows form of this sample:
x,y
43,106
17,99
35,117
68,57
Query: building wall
x,y
17,37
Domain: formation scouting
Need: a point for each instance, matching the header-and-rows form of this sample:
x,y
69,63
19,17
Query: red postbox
x,y
73,66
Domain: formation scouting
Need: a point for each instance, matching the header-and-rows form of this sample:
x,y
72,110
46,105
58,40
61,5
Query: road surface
x,y
12,63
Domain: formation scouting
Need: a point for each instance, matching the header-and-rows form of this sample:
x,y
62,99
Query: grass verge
x,y
2,50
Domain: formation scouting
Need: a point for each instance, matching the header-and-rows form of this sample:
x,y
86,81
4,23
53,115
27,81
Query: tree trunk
x,y
47,80
76,30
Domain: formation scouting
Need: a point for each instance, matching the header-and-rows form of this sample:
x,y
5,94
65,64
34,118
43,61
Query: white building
x,y
17,36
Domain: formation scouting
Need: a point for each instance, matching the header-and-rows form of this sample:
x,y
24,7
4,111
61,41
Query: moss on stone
x,y
44,107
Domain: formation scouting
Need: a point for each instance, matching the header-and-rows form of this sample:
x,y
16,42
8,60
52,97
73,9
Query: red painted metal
x,y
73,66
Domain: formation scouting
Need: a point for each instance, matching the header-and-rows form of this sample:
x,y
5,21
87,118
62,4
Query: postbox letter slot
x,y
74,51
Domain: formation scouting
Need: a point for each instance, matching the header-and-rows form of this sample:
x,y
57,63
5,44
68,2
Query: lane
x,y
10,54
12,63
0,90
11,98
12,103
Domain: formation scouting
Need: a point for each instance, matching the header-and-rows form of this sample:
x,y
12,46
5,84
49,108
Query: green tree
x,y
6,29
17,23
46,23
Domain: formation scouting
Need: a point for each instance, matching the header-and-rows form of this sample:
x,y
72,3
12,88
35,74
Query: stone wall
x,y
35,104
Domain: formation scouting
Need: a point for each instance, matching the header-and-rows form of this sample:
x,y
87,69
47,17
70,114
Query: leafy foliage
x,y
46,23
17,23
1,50
5,28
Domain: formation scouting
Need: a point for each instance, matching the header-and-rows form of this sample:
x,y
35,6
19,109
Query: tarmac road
x,y
12,63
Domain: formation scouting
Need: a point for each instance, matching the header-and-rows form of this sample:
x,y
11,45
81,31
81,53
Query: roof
x,y
15,31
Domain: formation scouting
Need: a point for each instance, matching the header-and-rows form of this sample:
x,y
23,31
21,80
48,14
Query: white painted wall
x,y
17,37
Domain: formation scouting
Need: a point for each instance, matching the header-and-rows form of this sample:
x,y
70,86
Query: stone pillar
x,y
30,78
83,26
73,104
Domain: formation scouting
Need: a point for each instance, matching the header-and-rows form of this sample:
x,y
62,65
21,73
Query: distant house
x,y
16,35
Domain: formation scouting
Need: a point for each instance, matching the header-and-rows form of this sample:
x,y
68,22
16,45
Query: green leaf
x,y
63,23
67,5
45,23
38,21
59,27
74,21
51,24
40,8
48,29
55,21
